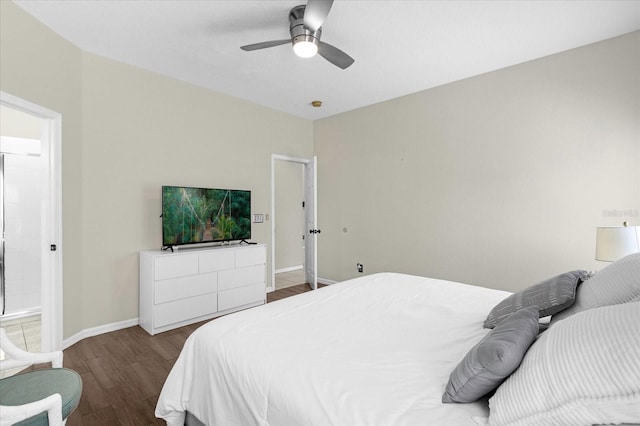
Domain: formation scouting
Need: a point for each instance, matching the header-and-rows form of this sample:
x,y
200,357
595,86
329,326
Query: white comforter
x,y
376,350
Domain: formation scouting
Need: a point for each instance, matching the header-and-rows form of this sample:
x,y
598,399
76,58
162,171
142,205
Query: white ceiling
x,y
399,47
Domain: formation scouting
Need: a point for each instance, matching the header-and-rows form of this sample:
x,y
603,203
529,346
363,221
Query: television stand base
x,y
246,242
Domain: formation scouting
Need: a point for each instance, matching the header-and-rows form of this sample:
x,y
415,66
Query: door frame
x,y
51,274
310,252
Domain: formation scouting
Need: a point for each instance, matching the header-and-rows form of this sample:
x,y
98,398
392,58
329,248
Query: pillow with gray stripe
x,y
582,371
550,296
618,283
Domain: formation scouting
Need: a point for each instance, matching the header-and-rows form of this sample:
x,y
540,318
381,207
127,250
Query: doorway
x,y
20,234
289,223
293,220
33,220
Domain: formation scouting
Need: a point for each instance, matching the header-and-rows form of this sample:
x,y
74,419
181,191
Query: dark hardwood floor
x,y
123,371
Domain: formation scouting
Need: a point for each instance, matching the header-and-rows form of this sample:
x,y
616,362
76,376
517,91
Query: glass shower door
x,y
2,286
20,233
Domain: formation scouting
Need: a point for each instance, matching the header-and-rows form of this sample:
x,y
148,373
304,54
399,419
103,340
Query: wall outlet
x,y
258,218
360,267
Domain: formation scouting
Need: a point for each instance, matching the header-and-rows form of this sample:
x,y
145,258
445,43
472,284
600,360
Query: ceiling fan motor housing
x,y
297,29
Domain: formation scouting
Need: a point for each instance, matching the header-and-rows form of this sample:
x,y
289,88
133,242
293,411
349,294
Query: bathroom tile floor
x,y
24,333
288,279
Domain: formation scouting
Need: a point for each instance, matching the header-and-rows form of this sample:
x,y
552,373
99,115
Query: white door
x,y
311,233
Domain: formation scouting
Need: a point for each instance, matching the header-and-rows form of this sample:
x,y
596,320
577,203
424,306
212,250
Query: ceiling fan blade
x,y
334,55
265,44
315,13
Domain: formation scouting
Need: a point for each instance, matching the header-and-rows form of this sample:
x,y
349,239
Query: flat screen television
x,y
203,215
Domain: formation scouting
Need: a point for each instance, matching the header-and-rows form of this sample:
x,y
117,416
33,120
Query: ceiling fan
x,y
305,27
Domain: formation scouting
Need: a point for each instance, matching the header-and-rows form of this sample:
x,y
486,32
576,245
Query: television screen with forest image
x,y
201,215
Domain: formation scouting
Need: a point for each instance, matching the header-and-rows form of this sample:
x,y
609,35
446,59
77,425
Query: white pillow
x,y
583,370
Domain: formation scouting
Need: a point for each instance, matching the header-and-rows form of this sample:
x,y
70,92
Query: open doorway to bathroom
x,y
31,220
21,174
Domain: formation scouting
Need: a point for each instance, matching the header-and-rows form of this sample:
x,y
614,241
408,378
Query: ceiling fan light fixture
x,y
305,28
305,46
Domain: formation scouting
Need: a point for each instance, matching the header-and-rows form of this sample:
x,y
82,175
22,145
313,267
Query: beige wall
x,y
18,124
498,180
41,67
163,132
126,132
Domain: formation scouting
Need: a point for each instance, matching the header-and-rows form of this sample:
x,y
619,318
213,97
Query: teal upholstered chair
x,y
40,397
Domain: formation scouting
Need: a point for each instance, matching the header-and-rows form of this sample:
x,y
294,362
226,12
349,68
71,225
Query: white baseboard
x,y
101,329
324,281
289,269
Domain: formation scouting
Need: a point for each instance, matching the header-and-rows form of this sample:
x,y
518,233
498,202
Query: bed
x,y
376,350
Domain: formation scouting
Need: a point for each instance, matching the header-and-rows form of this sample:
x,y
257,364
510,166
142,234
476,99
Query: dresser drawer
x,y
181,288
228,299
184,309
240,277
216,260
249,256
174,266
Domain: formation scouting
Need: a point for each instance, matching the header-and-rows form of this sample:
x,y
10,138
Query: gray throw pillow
x,y
618,283
550,296
494,358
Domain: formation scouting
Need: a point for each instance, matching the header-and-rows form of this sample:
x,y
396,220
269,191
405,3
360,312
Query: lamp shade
x,y
615,242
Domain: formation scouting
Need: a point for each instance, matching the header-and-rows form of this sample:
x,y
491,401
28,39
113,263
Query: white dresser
x,y
193,285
